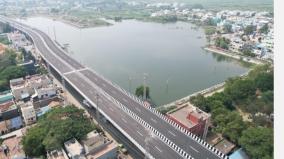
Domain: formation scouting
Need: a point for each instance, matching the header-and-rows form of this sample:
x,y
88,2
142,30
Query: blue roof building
x,y
239,154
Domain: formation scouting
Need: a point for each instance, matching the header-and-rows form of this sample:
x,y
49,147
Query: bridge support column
x,y
64,90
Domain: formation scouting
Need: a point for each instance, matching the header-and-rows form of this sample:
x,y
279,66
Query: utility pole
x,y
54,33
167,87
48,67
144,84
130,81
48,31
148,138
97,111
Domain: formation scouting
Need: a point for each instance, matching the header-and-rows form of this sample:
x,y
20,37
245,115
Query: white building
x,y
28,113
74,149
45,92
22,89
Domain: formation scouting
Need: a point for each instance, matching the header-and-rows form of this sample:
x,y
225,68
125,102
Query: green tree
x,y
264,81
54,128
12,72
223,98
248,52
228,123
264,29
227,28
200,102
209,30
7,58
249,29
4,40
222,42
240,89
258,142
139,92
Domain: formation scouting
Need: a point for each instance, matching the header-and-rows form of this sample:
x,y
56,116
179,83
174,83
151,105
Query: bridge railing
x,y
171,144
163,117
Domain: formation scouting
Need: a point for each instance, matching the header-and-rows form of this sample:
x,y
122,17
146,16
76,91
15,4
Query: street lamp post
x,y
97,111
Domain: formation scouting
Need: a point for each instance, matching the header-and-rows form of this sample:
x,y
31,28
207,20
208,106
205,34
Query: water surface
x,y
171,55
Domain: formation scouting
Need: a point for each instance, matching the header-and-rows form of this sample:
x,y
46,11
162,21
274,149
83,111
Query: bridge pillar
x,y
64,90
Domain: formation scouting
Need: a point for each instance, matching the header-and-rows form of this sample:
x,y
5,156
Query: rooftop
x,y
184,110
107,149
7,106
14,145
6,96
74,148
29,81
225,146
239,154
57,154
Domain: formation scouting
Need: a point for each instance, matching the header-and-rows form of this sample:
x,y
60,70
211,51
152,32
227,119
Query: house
x,y
6,96
8,110
23,89
74,149
98,146
191,118
10,118
28,113
57,154
47,92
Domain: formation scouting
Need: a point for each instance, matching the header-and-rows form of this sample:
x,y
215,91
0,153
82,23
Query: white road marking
x,y
110,109
138,109
123,120
154,120
158,149
172,133
140,133
194,149
125,100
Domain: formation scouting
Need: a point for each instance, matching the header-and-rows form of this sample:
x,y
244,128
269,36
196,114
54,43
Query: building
x,y
28,113
25,88
8,110
74,149
47,92
10,118
50,102
225,146
18,40
239,154
191,118
57,154
98,146
6,96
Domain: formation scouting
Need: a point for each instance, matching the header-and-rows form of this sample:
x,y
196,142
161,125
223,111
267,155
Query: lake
x,y
171,55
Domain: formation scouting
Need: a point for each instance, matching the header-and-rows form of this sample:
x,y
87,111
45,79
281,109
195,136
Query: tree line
x,y
253,95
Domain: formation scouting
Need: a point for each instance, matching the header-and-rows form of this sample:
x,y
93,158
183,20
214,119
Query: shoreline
x,y
235,56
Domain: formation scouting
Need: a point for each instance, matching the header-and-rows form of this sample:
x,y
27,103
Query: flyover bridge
x,y
154,134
